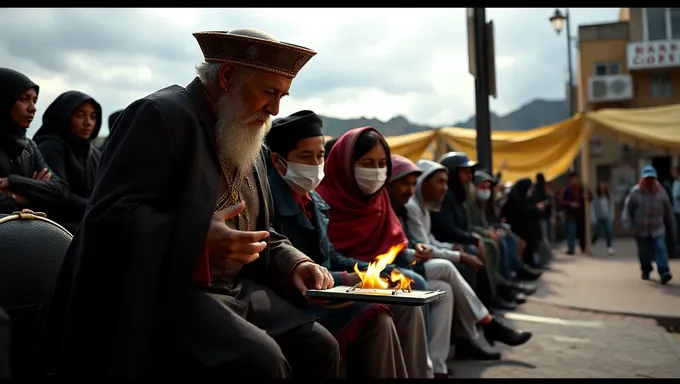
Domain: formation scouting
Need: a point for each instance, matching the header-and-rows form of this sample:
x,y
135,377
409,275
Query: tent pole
x,y
585,176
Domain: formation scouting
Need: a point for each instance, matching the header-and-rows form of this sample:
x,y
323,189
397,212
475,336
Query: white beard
x,y
239,142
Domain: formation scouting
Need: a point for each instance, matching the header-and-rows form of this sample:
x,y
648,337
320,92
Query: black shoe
x,y
503,305
497,331
525,288
645,275
666,278
467,350
520,298
528,273
570,252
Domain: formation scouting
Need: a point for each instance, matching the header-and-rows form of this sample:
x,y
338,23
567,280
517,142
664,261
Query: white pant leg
x,y
441,318
468,310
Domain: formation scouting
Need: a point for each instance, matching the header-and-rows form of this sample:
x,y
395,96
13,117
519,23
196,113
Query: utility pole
x,y
481,63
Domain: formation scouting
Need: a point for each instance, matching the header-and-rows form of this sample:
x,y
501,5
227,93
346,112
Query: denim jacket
x,y
290,220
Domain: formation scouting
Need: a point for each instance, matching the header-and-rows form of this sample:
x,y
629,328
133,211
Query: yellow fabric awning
x,y
550,150
657,126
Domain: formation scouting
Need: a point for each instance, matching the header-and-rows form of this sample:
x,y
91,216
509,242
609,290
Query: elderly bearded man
x,y
156,282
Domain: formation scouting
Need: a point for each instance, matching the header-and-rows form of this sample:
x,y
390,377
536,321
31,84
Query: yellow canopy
x,y
550,150
656,126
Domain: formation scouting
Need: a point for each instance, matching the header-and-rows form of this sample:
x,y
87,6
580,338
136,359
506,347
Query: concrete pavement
x,y
576,344
610,283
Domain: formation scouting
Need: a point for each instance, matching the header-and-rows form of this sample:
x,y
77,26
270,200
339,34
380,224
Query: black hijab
x,y
518,193
13,84
57,121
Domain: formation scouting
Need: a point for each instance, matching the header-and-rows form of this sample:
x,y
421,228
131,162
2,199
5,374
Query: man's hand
x,y
4,185
423,252
541,205
353,279
480,245
44,174
227,245
309,275
18,198
471,261
493,235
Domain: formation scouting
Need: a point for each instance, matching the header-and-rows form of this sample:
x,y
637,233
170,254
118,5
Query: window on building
x,y
661,86
608,68
662,23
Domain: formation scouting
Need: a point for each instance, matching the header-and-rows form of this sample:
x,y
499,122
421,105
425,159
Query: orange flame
x,y
371,278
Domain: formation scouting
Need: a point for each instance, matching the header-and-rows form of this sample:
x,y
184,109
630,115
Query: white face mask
x,y
303,178
483,194
370,180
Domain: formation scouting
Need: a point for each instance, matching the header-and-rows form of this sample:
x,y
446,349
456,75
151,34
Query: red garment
x,y
202,273
303,202
358,227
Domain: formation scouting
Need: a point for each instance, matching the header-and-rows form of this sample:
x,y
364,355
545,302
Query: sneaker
x,y
610,250
666,278
645,276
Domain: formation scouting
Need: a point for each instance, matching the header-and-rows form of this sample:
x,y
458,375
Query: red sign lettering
x,y
652,54
639,50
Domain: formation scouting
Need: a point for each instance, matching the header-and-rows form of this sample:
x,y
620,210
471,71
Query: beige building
x,y
630,63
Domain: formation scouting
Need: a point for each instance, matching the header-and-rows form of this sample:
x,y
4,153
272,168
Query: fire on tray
x,y
371,277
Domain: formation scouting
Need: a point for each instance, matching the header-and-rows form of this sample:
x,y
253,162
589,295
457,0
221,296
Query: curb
x,y
670,323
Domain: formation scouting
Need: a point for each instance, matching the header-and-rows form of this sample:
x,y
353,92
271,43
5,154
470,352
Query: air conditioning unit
x,y
610,88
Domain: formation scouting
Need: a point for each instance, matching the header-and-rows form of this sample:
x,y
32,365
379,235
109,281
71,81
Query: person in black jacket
x,y
450,225
524,215
70,124
112,119
26,181
572,201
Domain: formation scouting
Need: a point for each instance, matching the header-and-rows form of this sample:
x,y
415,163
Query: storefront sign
x,y
654,54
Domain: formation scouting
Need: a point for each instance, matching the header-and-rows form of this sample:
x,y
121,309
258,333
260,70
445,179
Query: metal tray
x,y
380,296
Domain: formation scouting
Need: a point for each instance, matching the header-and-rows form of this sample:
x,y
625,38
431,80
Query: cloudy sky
x,y
371,62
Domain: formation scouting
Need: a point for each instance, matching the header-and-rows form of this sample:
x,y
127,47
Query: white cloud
x,y
371,62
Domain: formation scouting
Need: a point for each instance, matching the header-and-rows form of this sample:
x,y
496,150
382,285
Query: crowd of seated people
x,y
342,203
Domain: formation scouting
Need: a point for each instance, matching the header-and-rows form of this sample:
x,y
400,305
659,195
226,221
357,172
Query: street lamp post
x,y
559,21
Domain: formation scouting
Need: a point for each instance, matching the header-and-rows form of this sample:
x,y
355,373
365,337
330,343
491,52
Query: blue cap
x,y
649,171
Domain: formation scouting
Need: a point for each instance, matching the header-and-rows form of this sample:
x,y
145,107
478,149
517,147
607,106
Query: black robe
x,y
130,266
19,155
73,159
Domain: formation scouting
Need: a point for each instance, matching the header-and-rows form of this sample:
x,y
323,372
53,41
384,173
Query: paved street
x,y
592,318
575,344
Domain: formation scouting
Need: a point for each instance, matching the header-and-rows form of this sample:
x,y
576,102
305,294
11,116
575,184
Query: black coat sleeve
x,y
55,155
42,192
445,228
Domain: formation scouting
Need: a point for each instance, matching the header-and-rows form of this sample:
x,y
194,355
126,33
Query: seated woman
x,y
26,180
524,216
363,225
366,333
70,125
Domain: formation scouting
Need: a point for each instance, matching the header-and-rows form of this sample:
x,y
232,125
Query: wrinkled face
x,y
434,187
375,158
402,189
84,120
246,104
24,109
308,151
465,175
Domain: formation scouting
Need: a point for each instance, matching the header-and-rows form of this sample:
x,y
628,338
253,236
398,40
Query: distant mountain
x,y
536,113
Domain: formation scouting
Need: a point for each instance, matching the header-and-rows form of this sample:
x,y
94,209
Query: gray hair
x,y
209,73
